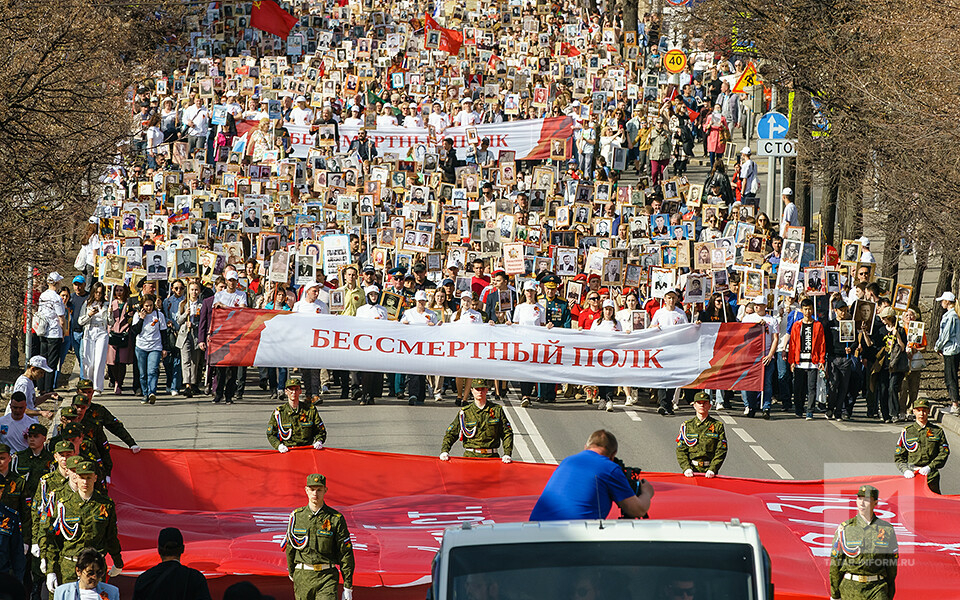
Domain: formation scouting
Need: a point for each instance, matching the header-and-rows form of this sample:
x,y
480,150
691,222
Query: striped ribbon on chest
x,y
464,432
299,542
903,442
61,526
689,441
851,550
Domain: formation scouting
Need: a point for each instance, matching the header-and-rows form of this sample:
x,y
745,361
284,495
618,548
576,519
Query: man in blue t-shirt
x,y
585,485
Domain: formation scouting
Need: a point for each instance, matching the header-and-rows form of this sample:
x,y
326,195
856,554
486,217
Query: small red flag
x,y
268,16
568,49
450,39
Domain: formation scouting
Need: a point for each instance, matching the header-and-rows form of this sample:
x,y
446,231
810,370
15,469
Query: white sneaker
x,y
609,405
746,411
437,398
630,402
720,406
953,409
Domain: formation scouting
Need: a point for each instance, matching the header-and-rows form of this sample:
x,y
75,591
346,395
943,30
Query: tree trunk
x,y
631,8
921,251
828,208
891,252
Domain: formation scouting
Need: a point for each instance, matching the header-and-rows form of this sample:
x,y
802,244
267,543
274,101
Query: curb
x,y
949,422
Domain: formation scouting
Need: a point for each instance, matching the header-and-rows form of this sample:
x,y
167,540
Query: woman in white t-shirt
x,y
150,328
606,323
466,315
529,313
419,314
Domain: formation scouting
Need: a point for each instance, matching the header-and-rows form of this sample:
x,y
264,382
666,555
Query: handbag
x,y
119,339
39,324
725,135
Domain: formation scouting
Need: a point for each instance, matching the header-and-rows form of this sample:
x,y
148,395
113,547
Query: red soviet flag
x,y
268,16
450,40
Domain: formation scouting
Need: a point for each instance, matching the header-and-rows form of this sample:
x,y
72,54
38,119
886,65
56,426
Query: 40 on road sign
x,y
675,61
776,147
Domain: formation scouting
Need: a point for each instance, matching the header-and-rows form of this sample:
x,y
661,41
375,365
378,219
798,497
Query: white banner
x,y
710,355
530,138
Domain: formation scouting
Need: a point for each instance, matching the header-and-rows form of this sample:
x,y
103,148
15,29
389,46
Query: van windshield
x,y
633,570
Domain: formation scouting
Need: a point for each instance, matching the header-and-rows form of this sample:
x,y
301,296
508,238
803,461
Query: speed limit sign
x,y
675,61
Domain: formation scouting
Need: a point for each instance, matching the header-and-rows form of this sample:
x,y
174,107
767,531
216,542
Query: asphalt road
x,y
784,447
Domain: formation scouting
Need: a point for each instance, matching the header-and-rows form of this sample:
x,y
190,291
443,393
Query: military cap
x,y
293,382
62,446
921,403
73,462
316,479
701,397
36,429
397,271
72,430
550,281
80,400
4,448
85,467
69,412
480,383
84,384
868,491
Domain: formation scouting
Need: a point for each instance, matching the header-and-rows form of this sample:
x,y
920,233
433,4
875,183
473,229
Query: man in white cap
x,y
748,175
310,303
233,107
771,337
865,255
371,384
354,120
36,368
948,346
790,217
419,314
466,117
50,324
300,114
411,119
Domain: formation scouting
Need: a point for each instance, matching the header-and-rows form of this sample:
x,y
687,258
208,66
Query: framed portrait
x,y
885,284
188,262
306,266
566,261
794,232
574,292
792,253
753,248
697,289
721,280
848,331
279,266
703,256
612,271
815,281
156,265
833,281
915,332
787,280
850,251
864,313
662,281
632,274
558,149
902,296
393,303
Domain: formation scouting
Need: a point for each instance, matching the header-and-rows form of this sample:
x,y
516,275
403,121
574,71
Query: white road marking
x,y
533,433
780,471
520,447
634,415
727,419
871,427
761,452
744,435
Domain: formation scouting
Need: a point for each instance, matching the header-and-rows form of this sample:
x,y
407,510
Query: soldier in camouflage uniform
x,y
95,418
317,543
922,448
702,442
294,424
52,486
14,493
481,426
36,461
73,433
863,561
81,519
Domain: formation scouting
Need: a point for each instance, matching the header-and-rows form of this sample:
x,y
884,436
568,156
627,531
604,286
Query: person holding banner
x,y
668,315
417,384
557,312
864,556
293,425
528,313
371,384
311,304
702,442
481,426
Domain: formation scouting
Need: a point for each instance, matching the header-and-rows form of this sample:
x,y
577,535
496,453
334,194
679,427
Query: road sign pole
x,y
771,181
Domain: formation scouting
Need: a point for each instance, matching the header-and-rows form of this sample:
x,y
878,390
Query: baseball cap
x,y
230,275
609,304
420,296
864,240
746,150
478,384
301,99
311,285
54,277
169,538
316,479
466,294
419,267
40,363
80,279
868,491
948,296
63,446
368,268
447,281
760,300
701,397
231,94
787,191
887,312
36,429
530,285
371,289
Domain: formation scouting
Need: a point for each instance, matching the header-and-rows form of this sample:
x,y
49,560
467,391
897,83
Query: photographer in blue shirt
x,y
585,485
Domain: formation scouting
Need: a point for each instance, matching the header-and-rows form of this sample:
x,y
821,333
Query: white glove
x,y
109,480
291,577
908,474
26,549
710,474
318,445
135,449
283,449
114,571
506,459
688,473
35,550
43,565
52,582
347,594
924,470
444,456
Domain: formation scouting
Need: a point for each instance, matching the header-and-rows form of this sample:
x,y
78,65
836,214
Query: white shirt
x,y
301,116
601,325
50,308
14,433
372,311
469,316
466,118
866,256
529,314
439,121
149,338
386,121
232,299
352,122
668,318
771,326
790,218
411,316
24,384
625,318
317,307
234,108
413,122
200,118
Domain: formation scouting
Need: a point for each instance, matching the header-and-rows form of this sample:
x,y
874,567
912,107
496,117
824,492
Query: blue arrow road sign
x,y
773,126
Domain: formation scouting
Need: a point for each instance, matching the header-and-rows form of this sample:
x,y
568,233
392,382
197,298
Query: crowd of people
x,y
222,200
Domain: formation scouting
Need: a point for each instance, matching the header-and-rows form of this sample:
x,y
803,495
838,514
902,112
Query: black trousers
x,y
665,398
371,384
804,384
417,387
951,364
50,349
527,388
838,384
225,383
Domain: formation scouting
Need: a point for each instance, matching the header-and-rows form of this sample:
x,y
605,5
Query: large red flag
x,y
450,39
268,16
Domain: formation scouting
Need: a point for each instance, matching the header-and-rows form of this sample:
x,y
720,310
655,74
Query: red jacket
x,y
819,353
